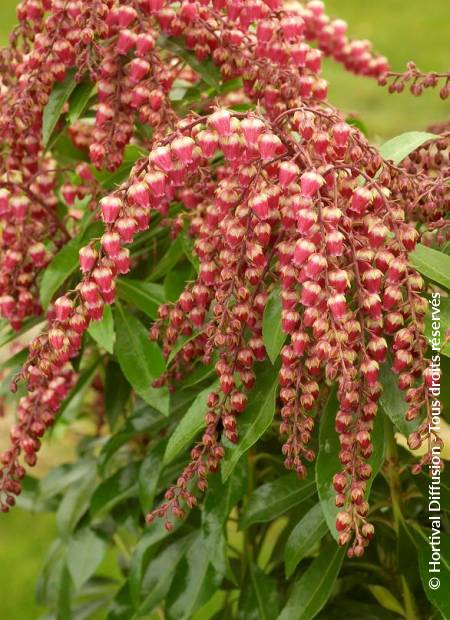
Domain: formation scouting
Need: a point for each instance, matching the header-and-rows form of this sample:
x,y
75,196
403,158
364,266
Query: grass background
x,y
400,29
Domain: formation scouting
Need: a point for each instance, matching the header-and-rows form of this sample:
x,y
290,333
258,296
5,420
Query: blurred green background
x,y
400,29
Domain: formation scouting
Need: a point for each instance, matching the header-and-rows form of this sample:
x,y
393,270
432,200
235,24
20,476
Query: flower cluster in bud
x,y
291,195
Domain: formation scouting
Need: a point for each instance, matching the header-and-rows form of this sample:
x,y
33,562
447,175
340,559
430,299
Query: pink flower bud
x,y
122,261
310,293
310,183
292,26
56,337
265,30
63,308
287,172
20,206
126,15
315,266
268,145
208,273
38,254
335,243
4,202
255,254
88,258
208,141
105,114
110,207
338,306
341,132
145,43
259,204
289,320
306,218
161,157
377,235
95,310
377,349
89,291
111,244
343,521
402,360
182,149
127,228
139,194
361,198
303,249
338,280
372,279
156,181
396,271
125,42
139,68
299,342
252,128
221,122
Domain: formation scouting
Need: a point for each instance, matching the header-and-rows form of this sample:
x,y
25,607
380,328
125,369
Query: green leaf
x,y
144,552
103,331
189,426
65,262
70,406
205,68
63,265
399,147
273,334
314,588
117,392
328,459
141,360
149,473
194,583
437,596
160,573
443,325
275,498
260,599
75,502
309,530
392,400
79,100
169,260
255,420
219,501
386,599
146,296
432,264
85,552
52,111
115,489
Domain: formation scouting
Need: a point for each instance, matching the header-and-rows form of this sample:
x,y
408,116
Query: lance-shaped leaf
x,y
85,552
260,599
189,426
194,583
309,530
274,498
141,360
432,264
58,97
273,334
314,588
146,296
399,147
103,331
